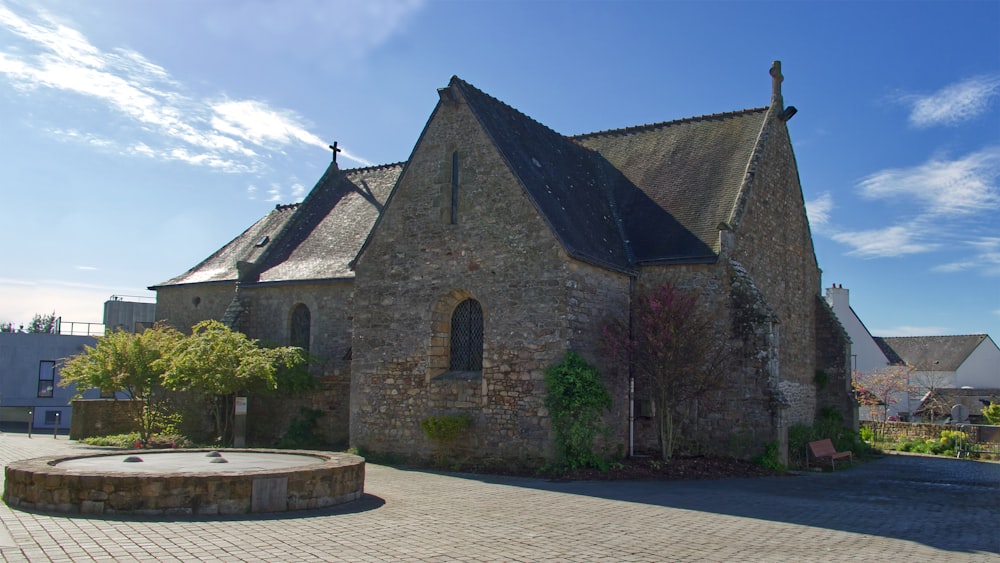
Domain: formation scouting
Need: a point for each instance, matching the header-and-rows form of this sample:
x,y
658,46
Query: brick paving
x,y
900,508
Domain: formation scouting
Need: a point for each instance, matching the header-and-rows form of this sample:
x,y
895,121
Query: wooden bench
x,y
823,449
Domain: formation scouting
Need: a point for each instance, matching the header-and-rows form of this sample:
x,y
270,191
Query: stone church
x,y
447,283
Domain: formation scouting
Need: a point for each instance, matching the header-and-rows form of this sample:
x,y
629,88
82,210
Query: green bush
x,y
576,401
301,433
769,458
445,429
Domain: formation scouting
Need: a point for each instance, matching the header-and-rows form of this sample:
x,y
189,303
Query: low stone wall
x,y
902,431
41,484
100,417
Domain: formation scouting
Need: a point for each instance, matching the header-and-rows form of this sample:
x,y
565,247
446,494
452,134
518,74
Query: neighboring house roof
x,y
930,353
941,400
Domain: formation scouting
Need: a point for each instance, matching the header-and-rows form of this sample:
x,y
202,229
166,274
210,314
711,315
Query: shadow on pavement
x,y
945,503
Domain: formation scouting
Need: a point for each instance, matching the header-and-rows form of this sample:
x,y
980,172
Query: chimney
x,y
838,297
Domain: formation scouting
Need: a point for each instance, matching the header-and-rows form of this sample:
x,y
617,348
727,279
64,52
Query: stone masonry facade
x,y
489,210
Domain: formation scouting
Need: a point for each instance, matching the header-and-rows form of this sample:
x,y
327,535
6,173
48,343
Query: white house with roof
x,y
969,361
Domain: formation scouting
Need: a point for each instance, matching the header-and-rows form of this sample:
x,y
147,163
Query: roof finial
x,y
335,150
776,79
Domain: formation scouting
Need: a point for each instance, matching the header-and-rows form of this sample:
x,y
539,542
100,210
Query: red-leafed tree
x,y
677,354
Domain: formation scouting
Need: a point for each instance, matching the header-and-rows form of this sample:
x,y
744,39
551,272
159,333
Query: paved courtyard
x,y
901,508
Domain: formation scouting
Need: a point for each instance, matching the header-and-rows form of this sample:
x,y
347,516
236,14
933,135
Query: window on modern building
x,y
52,417
466,348
301,325
46,378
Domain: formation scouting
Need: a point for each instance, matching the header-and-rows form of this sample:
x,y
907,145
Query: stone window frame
x,y
439,354
294,339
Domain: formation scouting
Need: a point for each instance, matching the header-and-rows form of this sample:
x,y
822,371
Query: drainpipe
x,y
631,374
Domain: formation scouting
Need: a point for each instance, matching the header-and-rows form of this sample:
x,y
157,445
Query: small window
x,y
52,418
643,408
467,337
46,378
300,329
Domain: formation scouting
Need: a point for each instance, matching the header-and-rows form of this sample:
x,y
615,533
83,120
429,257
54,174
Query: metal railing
x,y
79,329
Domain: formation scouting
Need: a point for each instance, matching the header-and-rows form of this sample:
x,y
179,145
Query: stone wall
x,y
44,484
183,306
773,242
902,431
418,265
833,365
737,417
100,417
267,317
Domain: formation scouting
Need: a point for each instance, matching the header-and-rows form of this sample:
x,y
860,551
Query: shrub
x,y
576,401
445,429
301,433
769,458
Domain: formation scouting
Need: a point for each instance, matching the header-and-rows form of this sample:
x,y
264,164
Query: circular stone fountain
x,y
185,482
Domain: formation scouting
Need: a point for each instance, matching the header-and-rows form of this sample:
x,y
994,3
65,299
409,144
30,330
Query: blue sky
x,y
136,138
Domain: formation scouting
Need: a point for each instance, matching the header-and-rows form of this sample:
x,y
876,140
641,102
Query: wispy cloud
x,y
985,257
909,330
897,240
945,187
955,103
947,197
225,134
818,210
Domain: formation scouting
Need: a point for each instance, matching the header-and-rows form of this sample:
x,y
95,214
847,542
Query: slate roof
x,y
654,193
649,194
930,353
332,223
221,266
569,184
689,172
313,240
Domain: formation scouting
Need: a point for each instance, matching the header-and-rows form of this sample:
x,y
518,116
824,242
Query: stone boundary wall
x,y
100,417
900,431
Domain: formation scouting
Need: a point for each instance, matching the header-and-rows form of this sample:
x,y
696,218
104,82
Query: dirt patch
x,y
679,468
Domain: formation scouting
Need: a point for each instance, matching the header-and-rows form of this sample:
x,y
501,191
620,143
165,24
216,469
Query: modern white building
x,y
969,361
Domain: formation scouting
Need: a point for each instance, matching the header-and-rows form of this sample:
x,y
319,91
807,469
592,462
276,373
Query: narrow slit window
x,y
454,188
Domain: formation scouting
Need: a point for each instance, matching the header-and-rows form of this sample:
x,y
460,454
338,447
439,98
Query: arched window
x,y
466,348
301,323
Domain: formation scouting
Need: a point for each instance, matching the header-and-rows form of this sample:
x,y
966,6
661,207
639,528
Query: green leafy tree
x,y
992,413
133,364
220,364
44,324
678,354
576,401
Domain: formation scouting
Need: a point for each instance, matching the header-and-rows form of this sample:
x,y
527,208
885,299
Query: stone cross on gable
x,y
335,150
776,79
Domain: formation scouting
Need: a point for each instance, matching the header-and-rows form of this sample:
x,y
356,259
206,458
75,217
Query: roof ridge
x,y
979,334
284,206
464,84
662,124
374,167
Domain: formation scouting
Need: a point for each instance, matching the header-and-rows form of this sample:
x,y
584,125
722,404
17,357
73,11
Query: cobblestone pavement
x,y
900,508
